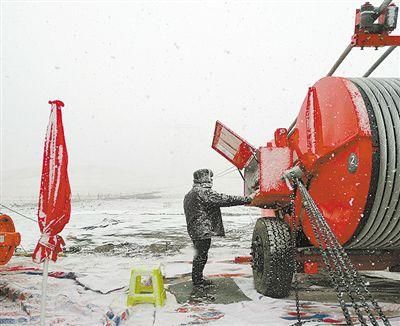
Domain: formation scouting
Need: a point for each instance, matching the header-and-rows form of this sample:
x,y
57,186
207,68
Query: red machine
x,y
346,140
9,239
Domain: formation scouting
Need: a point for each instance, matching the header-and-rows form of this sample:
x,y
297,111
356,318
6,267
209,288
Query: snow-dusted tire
x,y
272,253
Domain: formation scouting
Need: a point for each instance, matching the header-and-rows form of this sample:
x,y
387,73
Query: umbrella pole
x,y
44,290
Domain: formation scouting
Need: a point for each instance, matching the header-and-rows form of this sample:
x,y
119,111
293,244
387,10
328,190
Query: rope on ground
x,y
14,211
27,217
26,253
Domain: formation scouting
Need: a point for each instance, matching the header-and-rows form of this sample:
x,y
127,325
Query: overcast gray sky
x,y
144,82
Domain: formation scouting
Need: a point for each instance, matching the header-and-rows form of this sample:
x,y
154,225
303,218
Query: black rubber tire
x,y
272,253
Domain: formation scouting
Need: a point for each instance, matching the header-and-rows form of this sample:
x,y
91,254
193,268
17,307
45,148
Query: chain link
x,y
296,283
344,277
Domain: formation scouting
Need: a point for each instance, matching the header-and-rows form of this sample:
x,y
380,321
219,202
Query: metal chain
x,y
347,281
353,274
331,274
342,272
325,258
347,276
327,249
296,284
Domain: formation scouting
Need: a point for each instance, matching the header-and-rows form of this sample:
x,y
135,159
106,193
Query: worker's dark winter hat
x,y
202,176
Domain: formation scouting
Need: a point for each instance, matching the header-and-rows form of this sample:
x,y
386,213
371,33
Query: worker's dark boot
x,y
199,294
207,283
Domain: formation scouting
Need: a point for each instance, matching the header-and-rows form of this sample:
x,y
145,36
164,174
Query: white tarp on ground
x,y
107,238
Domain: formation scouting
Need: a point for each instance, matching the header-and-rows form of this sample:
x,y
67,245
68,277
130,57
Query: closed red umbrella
x,y
55,192
55,196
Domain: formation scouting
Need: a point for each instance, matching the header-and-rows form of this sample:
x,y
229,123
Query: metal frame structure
x,y
362,38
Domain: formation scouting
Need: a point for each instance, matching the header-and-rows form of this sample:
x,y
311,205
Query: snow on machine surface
x,y
346,140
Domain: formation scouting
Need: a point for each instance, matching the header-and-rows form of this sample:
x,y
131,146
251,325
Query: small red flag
x,y
55,193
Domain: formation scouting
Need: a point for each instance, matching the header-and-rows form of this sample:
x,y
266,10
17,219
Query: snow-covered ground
x,y
107,238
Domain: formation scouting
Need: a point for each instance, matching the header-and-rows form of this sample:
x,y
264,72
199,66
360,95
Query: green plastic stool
x,y
150,292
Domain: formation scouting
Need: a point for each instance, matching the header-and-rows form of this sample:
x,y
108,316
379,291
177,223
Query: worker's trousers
x,y
201,248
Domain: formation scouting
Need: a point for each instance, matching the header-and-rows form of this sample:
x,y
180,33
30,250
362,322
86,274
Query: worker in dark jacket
x,y
203,219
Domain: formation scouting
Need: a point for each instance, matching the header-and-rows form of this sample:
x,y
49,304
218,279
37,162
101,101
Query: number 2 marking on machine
x,y
352,163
